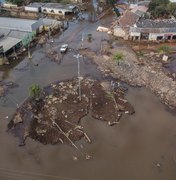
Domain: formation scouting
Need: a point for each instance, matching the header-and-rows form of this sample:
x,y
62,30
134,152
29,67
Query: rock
x,y
75,158
158,165
49,102
17,119
50,96
88,157
54,99
174,75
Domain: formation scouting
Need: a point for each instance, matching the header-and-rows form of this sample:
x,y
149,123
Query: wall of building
x,y
28,38
31,9
53,11
153,36
119,32
27,15
135,34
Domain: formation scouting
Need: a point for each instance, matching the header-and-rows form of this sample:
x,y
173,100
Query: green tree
x,y
118,57
17,2
35,91
172,8
162,8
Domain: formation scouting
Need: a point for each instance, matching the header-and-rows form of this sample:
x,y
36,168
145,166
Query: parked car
x,y
64,48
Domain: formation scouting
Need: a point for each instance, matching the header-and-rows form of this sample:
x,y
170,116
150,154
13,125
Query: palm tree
x,y
118,57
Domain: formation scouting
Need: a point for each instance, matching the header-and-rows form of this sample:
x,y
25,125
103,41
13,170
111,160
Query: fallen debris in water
x,y
55,117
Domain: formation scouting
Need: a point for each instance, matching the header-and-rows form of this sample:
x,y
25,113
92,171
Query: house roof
x,y
149,23
8,43
47,21
128,19
18,24
139,8
35,5
153,30
59,6
13,33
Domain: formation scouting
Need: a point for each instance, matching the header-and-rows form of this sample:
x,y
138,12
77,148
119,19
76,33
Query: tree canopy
x,y
162,8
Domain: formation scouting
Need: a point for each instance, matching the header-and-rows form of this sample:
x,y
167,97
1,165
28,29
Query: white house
x,y
153,30
34,7
59,9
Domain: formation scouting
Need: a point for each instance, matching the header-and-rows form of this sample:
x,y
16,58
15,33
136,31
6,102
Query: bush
x,y
118,57
164,49
35,91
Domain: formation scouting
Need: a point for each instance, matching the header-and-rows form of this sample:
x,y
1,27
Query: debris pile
x,y
55,117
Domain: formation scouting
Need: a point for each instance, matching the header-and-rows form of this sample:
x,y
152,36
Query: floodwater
x,y
140,147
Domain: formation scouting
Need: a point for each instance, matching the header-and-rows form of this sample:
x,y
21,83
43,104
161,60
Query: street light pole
x,y
82,39
79,78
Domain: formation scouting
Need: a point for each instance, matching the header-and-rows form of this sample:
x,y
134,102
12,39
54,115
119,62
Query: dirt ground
x,y
55,117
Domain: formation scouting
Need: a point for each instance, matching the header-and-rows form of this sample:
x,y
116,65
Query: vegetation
x,y
141,53
18,2
118,57
164,49
162,8
112,3
35,91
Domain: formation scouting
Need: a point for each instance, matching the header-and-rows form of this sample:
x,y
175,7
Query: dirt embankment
x,y
55,118
132,71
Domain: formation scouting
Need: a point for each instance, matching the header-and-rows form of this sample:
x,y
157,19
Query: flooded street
x,y
140,147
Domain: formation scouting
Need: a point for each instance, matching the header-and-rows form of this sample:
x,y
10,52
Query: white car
x,y
102,29
63,48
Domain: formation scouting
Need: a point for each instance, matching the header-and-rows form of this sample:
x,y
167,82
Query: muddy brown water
x,y
140,147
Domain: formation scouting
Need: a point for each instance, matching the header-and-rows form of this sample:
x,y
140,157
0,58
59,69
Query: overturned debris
x,y
55,117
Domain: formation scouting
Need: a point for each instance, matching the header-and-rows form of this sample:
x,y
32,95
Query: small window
x,y
52,11
44,10
60,12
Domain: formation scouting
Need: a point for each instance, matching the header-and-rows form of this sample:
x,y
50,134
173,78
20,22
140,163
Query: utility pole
x,y
79,77
82,39
15,54
29,53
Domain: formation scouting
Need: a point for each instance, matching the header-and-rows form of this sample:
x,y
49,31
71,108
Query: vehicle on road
x,y
64,48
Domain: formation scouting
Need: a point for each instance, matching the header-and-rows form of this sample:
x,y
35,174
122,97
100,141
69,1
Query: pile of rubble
x,y
55,117
135,73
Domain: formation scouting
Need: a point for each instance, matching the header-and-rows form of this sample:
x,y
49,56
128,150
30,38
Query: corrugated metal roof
x,y
59,6
153,30
35,5
18,34
149,23
13,33
17,24
9,43
5,32
128,19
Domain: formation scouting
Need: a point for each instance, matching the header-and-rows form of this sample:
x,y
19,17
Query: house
x,y
154,30
125,21
142,9
20,24
59,9
51,24
17,32
34,7
7,43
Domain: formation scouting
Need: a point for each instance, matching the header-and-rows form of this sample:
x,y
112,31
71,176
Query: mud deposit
x,y
55,117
